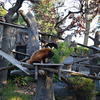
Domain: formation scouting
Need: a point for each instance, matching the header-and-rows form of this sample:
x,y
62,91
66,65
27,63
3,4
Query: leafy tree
x,y
2,11
46,16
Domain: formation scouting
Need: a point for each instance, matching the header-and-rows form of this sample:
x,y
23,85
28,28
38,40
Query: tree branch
x,y
12,10
70,12
91,38
24,17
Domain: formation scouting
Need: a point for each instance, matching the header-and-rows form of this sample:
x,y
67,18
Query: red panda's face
x,y
50,54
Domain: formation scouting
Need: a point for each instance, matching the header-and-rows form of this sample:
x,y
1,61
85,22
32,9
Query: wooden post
x,y
59,72
44,90
36,72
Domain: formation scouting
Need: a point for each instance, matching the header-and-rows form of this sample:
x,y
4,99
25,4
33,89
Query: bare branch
x,y
70,12
2,4
13,10
91,38
24,17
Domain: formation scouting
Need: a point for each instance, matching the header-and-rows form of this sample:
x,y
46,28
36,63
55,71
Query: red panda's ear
x,y
51,45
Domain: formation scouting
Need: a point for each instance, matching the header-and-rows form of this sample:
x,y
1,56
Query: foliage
x,y
8,92
83,88
46,16
20,21
10,64
21,80
63,51
2,11
94,7
82,51
55,78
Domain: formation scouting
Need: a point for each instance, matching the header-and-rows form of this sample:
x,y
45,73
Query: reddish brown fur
x,y
38,55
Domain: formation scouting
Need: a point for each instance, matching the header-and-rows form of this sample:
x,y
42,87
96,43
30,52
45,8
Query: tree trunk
x,y
44,90
33,39
88,21
5,39
5,48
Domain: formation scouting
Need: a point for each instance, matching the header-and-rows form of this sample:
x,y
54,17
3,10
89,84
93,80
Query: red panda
x,y
40,55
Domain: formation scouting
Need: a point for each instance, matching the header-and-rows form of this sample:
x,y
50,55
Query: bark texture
x,y
33,39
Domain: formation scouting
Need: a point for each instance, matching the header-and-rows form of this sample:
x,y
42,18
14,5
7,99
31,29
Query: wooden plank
x,y
48,64
14,62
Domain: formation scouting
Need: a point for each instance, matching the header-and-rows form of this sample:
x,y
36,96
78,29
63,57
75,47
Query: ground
x,y
30,88
11,91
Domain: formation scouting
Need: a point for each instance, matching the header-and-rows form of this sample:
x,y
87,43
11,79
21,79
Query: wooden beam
x,y
14,62
55,71
20,53
81,74
13,25
91,47
6,68
21,73
25,59
89,66
73,72
47,34
48,64
81,60
29,66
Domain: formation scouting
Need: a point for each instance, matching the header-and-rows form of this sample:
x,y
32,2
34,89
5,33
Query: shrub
x,y
84,89
63,51
83,51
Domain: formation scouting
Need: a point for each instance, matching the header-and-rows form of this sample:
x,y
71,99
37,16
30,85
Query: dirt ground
x,y
30,88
